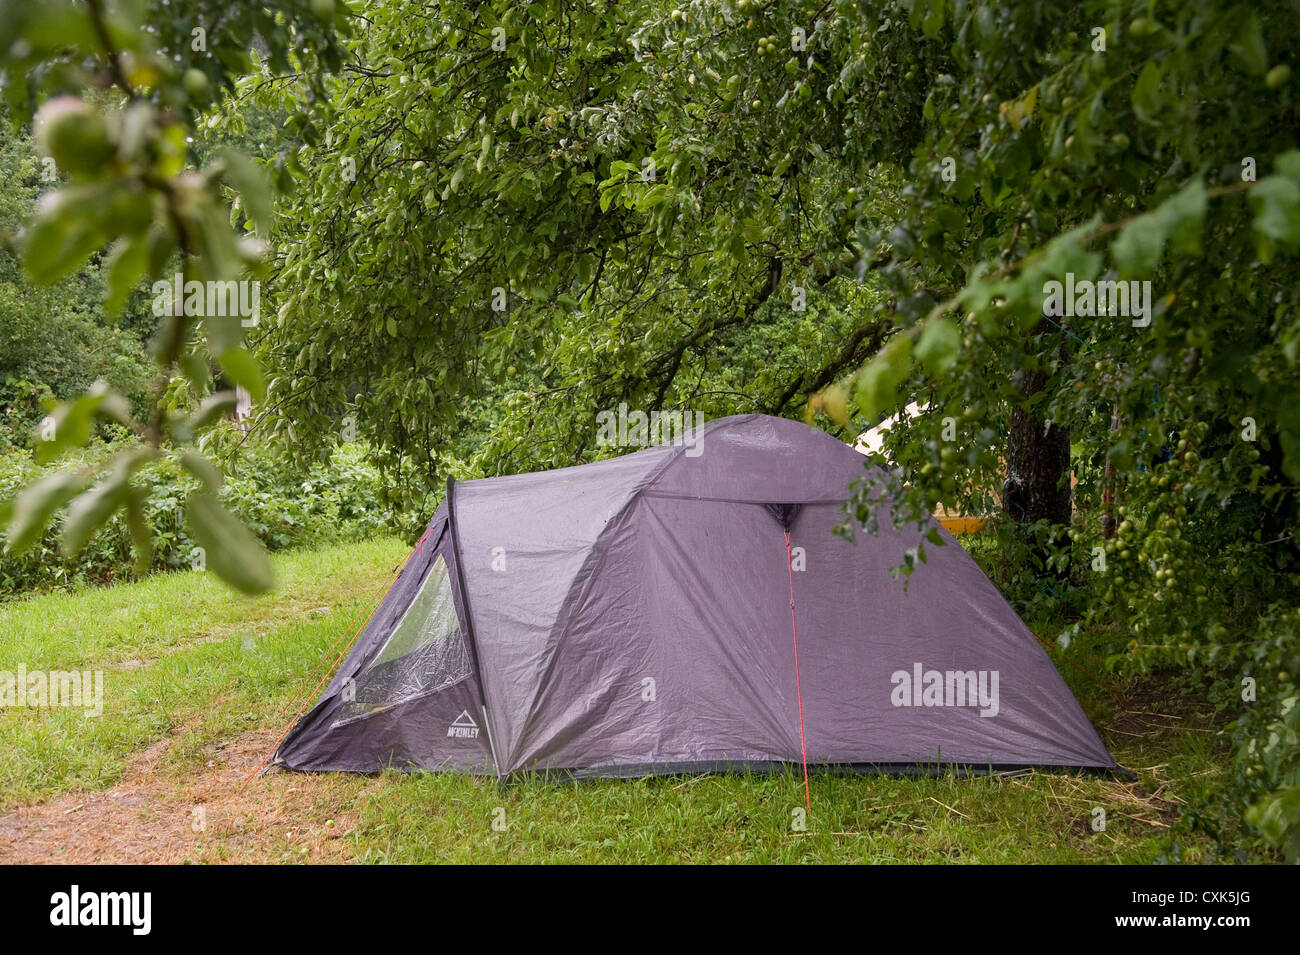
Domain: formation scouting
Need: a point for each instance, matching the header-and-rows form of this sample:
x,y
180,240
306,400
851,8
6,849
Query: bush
x,y
340,500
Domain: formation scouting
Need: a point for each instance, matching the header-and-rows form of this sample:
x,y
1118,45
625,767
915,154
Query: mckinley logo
x,y
463,727
923,687
103,908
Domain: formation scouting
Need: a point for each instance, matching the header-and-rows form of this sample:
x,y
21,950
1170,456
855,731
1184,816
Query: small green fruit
x,y
197,85
1277,76
73,134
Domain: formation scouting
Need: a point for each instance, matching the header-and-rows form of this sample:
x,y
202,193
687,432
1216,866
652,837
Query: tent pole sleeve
x,y
469,619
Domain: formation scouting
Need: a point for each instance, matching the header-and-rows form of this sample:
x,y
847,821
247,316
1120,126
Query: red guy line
x,y
798,688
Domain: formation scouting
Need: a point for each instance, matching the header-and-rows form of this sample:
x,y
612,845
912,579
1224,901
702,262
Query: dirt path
x,y
153,816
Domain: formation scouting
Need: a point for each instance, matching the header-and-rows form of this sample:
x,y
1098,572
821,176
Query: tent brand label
x,y
922,687
463,727
74,907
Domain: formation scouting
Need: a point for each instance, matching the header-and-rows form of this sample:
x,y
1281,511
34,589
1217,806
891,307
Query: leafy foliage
x,y
56,341
127,187
339,500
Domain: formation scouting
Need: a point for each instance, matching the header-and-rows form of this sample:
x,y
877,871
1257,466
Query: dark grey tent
x,y
687,607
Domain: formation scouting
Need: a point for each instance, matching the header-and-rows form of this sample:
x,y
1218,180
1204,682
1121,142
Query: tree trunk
x,y
1038,462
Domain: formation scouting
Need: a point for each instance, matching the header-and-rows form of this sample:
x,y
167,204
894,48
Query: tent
x,y
688,607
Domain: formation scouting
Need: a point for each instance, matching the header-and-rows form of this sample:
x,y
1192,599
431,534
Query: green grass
x,y
742,819
188,661
175,649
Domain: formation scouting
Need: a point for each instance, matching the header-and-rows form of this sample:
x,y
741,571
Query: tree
x,y
128,189
57,340
641,185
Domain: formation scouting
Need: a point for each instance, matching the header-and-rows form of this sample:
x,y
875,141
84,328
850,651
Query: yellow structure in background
x,y
957,525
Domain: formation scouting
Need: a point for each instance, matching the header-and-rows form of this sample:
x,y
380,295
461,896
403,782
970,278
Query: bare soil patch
x,y
153,816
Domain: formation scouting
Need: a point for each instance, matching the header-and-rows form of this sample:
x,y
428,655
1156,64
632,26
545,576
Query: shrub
x,y
335,501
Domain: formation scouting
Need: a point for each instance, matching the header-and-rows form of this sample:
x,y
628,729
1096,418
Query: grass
x,y
194,673
176,649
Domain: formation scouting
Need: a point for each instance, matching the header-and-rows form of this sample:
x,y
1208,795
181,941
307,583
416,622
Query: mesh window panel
x,y
425,652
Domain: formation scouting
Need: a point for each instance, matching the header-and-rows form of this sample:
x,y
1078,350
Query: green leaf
x,y
1138,248
243,370
1185,212
938,346
141,536
73,420
54,248
160,248
877,387
251,183
232,552
213,407
654,196
1275,200
1288,164
1146,94
1249,47
90,510
201,468
36,504
126,263
1275,815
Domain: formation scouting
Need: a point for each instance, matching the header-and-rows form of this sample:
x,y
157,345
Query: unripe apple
x,y
197,85
73,134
